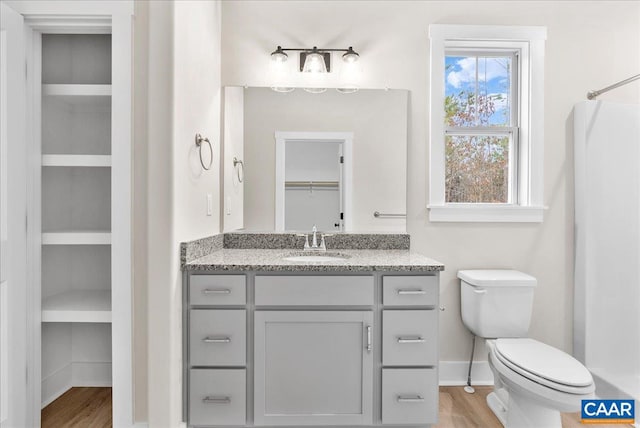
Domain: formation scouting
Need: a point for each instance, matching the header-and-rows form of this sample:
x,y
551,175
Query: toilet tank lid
x,y
497,278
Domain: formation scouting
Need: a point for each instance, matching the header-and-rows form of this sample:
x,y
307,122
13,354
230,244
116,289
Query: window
x,y
486,143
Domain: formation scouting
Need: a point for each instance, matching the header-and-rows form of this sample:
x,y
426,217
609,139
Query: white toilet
x,y
533,382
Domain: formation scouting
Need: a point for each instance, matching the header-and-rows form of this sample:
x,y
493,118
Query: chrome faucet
x,y
314,241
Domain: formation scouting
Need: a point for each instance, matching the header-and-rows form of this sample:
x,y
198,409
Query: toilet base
x,y
498,406
514,411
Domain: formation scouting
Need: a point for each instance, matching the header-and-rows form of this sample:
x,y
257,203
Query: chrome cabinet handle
x,y
369,345
217,400
216,291
410,398
411,291
411,339
216,339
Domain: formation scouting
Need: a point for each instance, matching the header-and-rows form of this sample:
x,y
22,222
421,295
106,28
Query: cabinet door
x,y
313,368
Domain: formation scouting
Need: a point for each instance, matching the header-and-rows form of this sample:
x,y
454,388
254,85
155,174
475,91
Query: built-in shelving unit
x,y
76,212
78,306
76,238
77,160
74,92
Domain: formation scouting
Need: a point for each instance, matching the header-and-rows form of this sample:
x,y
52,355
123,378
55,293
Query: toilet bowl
x,y
533,382
537,382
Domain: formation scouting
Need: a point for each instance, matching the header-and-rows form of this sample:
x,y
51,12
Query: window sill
x,y
485,213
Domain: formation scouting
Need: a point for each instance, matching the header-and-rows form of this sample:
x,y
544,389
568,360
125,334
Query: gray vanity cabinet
x,y
317,349
313,368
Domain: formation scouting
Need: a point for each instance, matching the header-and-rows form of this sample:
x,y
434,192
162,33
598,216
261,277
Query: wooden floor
x,y
91,407
79,408
459,409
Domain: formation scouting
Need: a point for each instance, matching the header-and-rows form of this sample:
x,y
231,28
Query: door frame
x,y
346,139
15,340
83,18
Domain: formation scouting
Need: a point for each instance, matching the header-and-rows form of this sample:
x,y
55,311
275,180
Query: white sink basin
x,y
328,257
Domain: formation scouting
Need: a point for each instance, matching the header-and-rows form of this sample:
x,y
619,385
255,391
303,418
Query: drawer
x,y
217,397
409,396
217,290
409,338
217,337
314,290
410,290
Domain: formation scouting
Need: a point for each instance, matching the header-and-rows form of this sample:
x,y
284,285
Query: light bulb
x,y
314,62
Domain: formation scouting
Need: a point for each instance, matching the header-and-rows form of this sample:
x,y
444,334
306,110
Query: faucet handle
x,y
306,240
323,245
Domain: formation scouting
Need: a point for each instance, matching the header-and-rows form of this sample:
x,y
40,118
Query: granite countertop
x,y
227,259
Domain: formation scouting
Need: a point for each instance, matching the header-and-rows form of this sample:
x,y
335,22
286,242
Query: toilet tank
x,y
495,302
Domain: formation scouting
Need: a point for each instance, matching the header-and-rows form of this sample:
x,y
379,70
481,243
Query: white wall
x,y
589,45
182,50
140,206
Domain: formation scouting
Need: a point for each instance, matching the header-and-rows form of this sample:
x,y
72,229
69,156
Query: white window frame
x,y
529,42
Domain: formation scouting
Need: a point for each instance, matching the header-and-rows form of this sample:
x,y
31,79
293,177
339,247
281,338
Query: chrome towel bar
x,y
378,214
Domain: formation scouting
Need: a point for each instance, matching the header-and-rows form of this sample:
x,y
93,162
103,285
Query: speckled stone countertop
x,y
253,251
227,259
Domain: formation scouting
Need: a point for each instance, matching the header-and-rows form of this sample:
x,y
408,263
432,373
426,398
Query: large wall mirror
x,y
298,159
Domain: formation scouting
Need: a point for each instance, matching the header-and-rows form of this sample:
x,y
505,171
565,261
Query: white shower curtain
x,y
607,245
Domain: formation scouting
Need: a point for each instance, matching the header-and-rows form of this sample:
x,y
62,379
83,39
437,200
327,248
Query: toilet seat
x,y
544,365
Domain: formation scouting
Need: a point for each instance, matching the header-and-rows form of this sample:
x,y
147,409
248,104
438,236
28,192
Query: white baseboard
x,y
454,373
74,374
56,384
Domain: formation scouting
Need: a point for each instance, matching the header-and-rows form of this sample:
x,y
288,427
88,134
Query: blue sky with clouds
x,y
493,80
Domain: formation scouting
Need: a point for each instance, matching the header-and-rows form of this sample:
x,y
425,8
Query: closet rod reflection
x,y
314,184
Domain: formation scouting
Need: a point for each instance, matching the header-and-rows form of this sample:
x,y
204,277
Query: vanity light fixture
x,y
315,60
315,90
283,89
347,90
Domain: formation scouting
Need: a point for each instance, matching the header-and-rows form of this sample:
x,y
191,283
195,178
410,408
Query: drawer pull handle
x,y
369,345
217,400
216,339
412,291
410,399
216,291
413,339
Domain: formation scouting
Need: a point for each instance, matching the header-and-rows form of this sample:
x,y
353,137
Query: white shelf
x,y
79,94
76,238
78,306
77,160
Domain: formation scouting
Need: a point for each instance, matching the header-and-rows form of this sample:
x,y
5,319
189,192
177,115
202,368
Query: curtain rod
x,y
593,94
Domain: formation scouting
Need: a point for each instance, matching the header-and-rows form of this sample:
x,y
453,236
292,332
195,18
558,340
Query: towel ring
x,y
236,162
199,140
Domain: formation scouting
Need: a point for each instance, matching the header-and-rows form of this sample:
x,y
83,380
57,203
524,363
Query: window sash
x,y
514,75
513,195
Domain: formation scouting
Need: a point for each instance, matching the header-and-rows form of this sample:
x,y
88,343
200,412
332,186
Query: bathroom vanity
x,y
270,340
